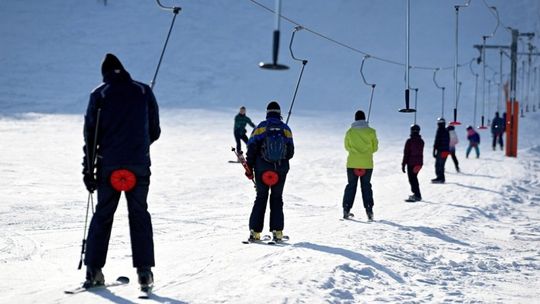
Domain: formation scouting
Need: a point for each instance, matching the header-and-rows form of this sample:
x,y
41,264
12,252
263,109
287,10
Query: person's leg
x,y
413,180
350,190
501,143
454,158
256,219
140,222
494,142
277,218
469,148
245,139
367,192
100,227
237,138
477,150
439,167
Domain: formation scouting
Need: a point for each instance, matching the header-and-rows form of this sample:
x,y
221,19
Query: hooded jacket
x,y
361,142
128,118
413,154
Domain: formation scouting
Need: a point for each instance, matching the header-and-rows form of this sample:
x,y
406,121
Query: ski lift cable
x,y
351,48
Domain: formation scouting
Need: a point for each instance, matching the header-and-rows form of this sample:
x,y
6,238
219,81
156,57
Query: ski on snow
x,y
267,240
119,282
145,293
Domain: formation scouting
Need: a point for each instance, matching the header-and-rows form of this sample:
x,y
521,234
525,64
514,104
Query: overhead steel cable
x,y
351,48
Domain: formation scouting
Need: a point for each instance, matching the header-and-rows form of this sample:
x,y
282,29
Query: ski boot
x,y
254,236
277,235
146,278
94,277
347,214
369,213
414,198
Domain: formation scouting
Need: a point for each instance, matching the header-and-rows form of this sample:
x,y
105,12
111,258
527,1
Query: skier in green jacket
x,y
361,142
240,122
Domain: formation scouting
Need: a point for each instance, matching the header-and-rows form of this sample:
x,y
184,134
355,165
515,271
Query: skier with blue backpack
x,y
270,148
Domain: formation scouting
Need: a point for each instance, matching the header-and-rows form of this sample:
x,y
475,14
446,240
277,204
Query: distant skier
x,y
441,149
240,122
453,142
126,115
269,150
497,130
474,141
413,159
360,142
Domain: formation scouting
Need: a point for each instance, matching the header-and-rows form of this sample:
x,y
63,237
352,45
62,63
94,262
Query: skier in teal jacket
x,y
240,122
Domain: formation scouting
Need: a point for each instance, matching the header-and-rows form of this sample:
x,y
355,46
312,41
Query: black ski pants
x,y
277,219
140,224
240,135
413,180
497,137
352,185
440,161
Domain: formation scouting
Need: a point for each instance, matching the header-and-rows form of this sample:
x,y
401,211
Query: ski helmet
x,y
415,129
441,121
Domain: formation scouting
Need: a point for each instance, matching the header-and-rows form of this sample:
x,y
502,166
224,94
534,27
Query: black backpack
x,y
274,148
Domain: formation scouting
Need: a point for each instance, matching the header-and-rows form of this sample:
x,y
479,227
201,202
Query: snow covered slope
x,y
474,239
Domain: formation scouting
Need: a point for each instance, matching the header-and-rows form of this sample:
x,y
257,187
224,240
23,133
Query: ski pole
x,y
90,200
304,62
175,10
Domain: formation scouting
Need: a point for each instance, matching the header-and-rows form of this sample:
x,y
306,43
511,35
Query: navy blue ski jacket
x,y
254,151
128,122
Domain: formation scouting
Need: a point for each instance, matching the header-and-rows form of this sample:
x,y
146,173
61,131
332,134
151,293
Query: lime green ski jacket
x,y
361,142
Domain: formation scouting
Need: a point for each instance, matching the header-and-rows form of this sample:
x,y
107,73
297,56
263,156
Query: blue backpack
x,y
274,148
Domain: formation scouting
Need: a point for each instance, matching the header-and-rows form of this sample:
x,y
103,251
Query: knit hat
x,y
273,107
415,129
359,115
441,121
110,64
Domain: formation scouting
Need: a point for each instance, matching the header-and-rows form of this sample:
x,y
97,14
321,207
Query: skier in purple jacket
x,y
413,159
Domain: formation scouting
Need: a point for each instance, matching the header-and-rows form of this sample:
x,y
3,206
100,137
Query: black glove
x,y
434,153
249,175
90,182
403,168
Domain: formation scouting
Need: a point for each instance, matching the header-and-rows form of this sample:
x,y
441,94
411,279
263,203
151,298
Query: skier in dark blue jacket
x,y
270,148
497,130
125,113
441,148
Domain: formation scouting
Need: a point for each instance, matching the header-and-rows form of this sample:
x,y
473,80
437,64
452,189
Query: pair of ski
x,y
267,240
145,292
351,218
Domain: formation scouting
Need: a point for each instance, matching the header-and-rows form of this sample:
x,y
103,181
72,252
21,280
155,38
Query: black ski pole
x,y
90,161
304,62
175,10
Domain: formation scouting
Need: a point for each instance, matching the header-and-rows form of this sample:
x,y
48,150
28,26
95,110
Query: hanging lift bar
x,y
439,87
175,10
303,61
372,85
407,108
274,65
